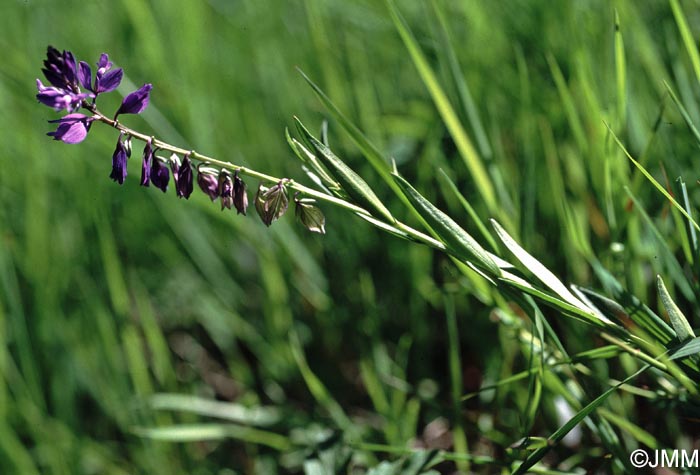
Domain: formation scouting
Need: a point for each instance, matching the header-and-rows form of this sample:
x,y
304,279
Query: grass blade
x,y
466,149
653,181
678,321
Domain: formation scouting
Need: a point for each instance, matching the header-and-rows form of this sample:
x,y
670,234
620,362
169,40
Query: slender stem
x,y
156,143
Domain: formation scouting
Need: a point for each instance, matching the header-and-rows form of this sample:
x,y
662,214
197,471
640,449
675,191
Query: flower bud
x,y
208,181
240,195
184,184
119,159
226,190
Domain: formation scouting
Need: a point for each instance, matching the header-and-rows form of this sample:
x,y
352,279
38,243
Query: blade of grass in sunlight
x,y
462,140
653,181
687,35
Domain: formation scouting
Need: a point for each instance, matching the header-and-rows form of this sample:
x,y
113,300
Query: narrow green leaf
x,y
667,255
466,149
465,95
585,316
351,182
199,432
310,159
369,151
620,73
258,416
442,176
684,113
560,433
457,240
538,269
653,181
315,385
678,321
687,36
689,348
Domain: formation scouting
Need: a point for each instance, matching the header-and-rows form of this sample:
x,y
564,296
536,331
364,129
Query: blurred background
x,y
110,294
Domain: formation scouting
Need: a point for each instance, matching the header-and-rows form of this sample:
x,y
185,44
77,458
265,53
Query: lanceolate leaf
x,y
351,182
538,269
678,321
457,240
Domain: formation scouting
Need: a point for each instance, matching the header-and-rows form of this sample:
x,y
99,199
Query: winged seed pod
x,y
310,216
351,182
455,237
271,203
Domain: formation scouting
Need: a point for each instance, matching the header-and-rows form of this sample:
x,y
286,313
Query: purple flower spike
x,y
184,182
208,182
72,128
147,164
119,162
60,69
136,102
59,98
160,175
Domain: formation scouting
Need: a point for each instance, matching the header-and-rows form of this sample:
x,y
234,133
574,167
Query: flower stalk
x,y
72,87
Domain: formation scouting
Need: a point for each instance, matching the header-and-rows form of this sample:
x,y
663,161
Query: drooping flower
x,y
271,203
147,164
160,175
136,102
226,190
59,98
208,181
119,159
184,182
174,166
240,195
72,128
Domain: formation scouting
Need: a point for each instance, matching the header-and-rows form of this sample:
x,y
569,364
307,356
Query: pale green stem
x,y
291,184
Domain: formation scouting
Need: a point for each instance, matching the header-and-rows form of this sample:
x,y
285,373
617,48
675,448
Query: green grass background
x,y
111,294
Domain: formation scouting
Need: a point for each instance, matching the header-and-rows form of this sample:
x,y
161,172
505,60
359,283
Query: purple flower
x,y
106,80
60,69
226,190
59,98
119,159
72,128
147,164
240,196
160,176
85,75
184,181
136,102
208,182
